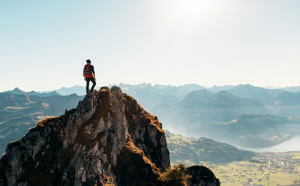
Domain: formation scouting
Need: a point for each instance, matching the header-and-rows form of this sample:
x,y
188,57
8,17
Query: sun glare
x,y
195,8
188,14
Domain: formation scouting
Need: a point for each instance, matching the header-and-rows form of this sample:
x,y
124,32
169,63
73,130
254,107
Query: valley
x,y
264,169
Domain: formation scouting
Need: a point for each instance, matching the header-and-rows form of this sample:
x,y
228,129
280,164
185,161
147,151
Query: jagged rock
x,y
108,138
201,176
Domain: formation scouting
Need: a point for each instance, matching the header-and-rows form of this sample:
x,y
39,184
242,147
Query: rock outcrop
x,y
108,139
201,176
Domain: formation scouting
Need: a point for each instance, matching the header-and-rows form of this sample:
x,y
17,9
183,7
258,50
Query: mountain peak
x,y
201,92
17,91
223,92
245,85
108,138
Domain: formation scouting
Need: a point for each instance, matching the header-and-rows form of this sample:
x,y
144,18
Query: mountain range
x,y
196,111
220,107
154,97
33,93
243,121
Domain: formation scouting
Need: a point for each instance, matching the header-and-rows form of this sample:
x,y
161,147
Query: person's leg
x,y
94,83
87,85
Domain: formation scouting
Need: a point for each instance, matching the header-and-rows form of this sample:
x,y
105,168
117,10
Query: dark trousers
x,y
88,84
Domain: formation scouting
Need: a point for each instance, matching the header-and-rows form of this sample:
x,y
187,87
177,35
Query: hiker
x,y
89,75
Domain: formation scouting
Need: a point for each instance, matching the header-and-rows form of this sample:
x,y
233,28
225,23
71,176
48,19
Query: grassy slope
x,y
191,151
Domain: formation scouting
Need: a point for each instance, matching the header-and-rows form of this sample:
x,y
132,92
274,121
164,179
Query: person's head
x,y
88,61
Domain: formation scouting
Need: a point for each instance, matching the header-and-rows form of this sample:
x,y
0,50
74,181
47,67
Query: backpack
x,y
87,71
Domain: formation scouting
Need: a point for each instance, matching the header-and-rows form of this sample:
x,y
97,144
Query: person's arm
x,y
83,74
94,75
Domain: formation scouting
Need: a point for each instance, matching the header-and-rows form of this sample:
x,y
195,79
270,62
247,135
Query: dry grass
x,y
46,120
133,112
130,146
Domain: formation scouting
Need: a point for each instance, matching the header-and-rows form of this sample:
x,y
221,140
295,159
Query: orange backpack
x,y
87,71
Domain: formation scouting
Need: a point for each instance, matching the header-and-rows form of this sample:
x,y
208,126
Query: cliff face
x,y
108,138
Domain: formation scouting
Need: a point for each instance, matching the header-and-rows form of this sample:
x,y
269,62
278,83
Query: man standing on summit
x,y
89,75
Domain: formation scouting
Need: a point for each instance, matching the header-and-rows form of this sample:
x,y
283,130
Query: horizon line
x,y
155,84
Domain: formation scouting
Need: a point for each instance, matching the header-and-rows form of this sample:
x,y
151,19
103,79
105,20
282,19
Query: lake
x,y
291,145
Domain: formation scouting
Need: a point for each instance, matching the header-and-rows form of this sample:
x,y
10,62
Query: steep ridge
x,y
108,138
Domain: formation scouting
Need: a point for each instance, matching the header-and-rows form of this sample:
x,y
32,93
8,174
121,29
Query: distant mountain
x,y
79,90
204,106
225,117
265,96
287,104
158,96
292,89
276,101
216,89
16,91
203,150
31,93
167,102
162,98
149,95
18,112
288,98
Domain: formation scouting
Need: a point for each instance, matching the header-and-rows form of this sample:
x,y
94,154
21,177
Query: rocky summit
x,y
108,139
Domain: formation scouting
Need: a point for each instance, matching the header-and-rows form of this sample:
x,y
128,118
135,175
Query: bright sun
x,y
189,12
195,7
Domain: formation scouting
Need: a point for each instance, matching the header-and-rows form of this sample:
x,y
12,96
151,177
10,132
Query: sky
x,y
44,44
